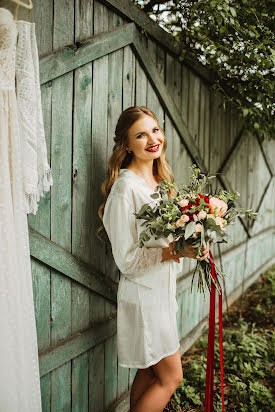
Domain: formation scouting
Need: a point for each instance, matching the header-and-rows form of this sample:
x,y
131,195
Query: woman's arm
x,y
120,225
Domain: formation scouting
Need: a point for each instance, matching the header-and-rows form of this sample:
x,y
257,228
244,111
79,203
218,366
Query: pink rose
x,y
183,202
184,218
219,221
198,227
220,204
202,214
180,223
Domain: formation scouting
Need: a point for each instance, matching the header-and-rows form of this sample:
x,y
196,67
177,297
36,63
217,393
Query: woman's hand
x,y
191,252
169,252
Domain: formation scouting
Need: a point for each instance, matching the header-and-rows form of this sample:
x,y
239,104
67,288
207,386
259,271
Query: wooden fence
x,y
95,61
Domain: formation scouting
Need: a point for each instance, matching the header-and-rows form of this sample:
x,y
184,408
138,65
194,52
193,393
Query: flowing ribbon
x,y
208,406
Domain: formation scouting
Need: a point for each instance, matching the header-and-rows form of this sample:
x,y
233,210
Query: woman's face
x,y
143,134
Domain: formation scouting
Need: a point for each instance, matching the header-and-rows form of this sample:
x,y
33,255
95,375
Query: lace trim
x,y
37,174
144,258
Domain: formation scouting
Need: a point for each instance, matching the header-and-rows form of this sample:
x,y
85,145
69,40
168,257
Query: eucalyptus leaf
x,y
189,230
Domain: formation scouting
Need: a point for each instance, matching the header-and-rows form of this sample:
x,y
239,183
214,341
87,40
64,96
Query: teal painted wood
x,y
81,202
72,56
61,288
51,254
152,100
96,378
76,345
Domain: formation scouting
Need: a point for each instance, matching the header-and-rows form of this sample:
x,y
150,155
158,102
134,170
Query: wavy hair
x,y
120,158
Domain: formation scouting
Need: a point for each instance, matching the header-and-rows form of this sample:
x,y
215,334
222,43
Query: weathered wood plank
x,y
62,105
81,200
96,371
152,101
167,101
128,79
73,346
143,21
43,17
72,56
114,111
64,262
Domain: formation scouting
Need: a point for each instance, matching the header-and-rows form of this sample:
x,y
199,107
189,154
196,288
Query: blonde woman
x,y
147,336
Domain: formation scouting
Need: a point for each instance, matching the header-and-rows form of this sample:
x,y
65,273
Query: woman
x,y
146,313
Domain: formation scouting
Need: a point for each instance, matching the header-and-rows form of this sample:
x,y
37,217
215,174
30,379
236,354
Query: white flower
x,y
180,223
183,202
198,227
184,218
202,214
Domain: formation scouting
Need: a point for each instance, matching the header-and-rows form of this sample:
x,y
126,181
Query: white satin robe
x,y
146,297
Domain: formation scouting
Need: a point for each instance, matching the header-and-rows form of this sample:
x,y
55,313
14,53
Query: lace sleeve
x,y
120,225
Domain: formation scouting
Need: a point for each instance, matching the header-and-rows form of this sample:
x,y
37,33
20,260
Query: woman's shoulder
x,y
123,186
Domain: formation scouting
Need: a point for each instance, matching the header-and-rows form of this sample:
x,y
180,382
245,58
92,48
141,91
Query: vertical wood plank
x,y
96,378
114,111
98,171
62,91
128,77
152,100
81,200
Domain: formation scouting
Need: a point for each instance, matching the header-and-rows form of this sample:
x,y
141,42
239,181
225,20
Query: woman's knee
x,y
171,380
168,371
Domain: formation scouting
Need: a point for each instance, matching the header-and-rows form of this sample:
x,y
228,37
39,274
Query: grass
x,y
248,356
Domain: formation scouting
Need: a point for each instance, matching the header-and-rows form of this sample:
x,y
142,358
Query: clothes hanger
x,y
17,4
28,5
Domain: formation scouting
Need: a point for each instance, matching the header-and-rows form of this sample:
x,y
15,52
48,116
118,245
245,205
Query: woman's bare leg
x,y
168,373
143,379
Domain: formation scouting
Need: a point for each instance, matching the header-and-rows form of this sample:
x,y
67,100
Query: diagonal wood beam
x,y
67,349
127,9
71,57
54,256
166,100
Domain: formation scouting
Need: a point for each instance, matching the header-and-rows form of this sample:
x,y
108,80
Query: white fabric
x,y
146,297
19,366
36,170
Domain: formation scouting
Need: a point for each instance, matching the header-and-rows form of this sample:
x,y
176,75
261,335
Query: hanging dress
x,y
19,371
146,297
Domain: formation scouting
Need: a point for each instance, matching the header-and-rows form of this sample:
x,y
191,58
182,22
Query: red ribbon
x,y
208,406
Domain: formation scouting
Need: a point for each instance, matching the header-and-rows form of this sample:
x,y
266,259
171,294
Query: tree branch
x,y
149,7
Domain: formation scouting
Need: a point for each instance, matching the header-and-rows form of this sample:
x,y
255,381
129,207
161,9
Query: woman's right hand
x,y
175,255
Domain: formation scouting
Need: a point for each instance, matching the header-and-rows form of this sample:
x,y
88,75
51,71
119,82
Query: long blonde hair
x,y
120,158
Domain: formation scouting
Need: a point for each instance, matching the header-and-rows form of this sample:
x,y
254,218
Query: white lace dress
x,y
19,367
146,298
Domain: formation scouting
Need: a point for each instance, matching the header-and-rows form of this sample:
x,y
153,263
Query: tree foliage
x,y
233,38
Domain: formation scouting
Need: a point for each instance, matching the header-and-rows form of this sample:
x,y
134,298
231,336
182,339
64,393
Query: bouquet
x,y
194,218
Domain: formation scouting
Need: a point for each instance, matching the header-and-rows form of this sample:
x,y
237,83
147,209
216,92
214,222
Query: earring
x,y
129,151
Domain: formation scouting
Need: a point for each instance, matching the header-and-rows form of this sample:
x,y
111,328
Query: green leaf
x,y
233,11
154,196
189,230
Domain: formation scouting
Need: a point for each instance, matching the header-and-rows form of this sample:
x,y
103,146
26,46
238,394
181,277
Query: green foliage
x,y
248,356
233,38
